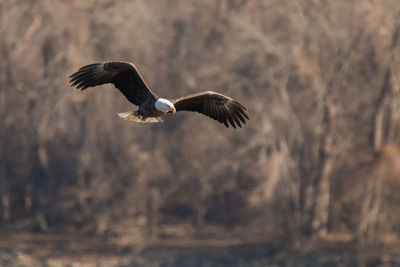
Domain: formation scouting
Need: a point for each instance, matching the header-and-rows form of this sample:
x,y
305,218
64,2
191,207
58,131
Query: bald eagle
x,y
127,79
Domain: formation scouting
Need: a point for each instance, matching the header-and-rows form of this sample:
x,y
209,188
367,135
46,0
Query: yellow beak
x,y
173,110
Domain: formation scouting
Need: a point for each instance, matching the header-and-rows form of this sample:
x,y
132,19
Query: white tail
x,y
133,115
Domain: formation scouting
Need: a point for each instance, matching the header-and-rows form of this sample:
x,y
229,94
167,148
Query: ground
x,y
54,249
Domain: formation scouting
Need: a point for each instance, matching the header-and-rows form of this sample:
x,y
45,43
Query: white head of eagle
x,y
164,105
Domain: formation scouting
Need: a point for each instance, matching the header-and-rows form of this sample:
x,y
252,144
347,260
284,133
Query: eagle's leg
x,y
134,115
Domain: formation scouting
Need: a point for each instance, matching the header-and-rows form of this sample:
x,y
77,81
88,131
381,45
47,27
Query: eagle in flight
x,y
127,79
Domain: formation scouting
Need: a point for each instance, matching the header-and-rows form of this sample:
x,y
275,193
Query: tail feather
x,y
133,115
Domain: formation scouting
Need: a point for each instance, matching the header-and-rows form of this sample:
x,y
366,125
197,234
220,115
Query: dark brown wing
x,y
217,106
123,75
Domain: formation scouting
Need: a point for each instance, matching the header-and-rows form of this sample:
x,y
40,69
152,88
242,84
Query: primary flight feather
x,y
127,79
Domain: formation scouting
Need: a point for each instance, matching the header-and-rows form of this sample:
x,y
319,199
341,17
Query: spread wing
x,y
123,75
214,105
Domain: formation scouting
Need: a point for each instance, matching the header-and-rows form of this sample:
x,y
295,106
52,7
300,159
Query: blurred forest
x,y
318,160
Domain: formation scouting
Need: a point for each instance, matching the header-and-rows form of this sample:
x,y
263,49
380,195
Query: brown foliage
x,y
320,80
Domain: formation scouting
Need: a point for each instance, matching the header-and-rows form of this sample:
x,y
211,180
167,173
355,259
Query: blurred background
x,y
312,179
